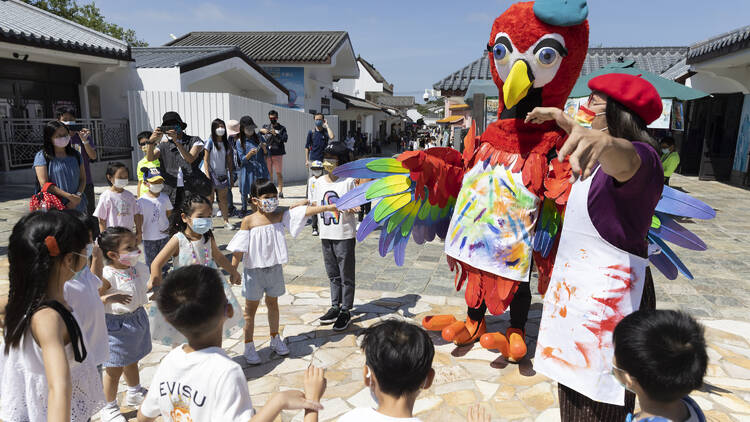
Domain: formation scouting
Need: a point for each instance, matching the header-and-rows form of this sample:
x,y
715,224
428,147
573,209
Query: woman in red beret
x,y
601,268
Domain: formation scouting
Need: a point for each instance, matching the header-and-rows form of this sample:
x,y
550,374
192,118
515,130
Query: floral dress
x,y
192,252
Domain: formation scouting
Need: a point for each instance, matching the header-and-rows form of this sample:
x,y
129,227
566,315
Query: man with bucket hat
x,y
178,155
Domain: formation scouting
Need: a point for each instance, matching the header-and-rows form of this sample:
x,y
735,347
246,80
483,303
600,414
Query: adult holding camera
x,y
275,136
317,140
251,150
178,155
81,141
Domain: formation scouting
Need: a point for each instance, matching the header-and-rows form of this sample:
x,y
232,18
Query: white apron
x,y
594,285
493,222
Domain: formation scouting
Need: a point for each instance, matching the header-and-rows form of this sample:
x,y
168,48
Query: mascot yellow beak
x,y
517,85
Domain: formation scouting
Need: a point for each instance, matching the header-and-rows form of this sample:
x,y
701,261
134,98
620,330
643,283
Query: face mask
x,y
269,205
77,274
319,123
665,150
585,117
89,250
61,142
330,165
130,258
156,187
249,131
220,131
72,122
144,148
202,225
317,172
120,183
273,121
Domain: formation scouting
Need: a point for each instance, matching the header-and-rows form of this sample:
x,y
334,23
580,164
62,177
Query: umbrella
x,y
665,87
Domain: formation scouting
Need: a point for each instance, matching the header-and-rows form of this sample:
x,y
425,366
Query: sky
x,y
416,43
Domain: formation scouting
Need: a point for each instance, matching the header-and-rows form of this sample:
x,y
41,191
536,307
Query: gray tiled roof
x,y
720,45
273,47
652,59
21,23
177,56
356,102
677,70
458,82
395,100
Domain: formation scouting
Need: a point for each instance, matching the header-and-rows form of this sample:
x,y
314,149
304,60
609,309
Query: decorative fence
x,y
198,109
21,139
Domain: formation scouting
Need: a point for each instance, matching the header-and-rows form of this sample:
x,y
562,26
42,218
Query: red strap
x,y
46,186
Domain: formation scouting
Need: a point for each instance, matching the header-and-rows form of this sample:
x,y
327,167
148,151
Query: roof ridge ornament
x,y
561,12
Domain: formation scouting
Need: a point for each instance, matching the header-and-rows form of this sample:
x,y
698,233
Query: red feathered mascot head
x,y
536,52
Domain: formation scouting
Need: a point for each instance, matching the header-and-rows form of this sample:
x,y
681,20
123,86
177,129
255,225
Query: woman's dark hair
x,y
110,239
31,265
49,148
176,225
246,121
664,350
192,299
667,140
623,123
399,354
90,222
262,186
215,124
112,168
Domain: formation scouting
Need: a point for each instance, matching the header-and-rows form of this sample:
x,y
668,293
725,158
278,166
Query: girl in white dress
x,y
192,243
261,247
45,370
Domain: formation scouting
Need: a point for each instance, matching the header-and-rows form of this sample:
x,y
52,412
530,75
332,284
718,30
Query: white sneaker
x,y
278,346
228,226
251,355
111,414
135,399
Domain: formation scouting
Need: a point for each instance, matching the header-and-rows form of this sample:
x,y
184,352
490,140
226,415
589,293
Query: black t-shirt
x,y
170,160
276,142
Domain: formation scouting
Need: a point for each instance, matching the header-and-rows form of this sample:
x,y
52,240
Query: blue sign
x,y
293,79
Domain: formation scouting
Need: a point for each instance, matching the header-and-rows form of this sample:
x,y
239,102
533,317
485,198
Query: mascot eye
x,y
500,52
547,56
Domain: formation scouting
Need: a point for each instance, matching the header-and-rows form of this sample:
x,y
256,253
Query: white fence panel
x,y
198,109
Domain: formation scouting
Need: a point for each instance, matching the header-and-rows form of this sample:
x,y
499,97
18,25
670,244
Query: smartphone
x,y
75,127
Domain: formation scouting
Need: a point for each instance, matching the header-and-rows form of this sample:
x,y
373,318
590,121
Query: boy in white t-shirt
x,y
156,209
338,236
198,381
398,364
316,172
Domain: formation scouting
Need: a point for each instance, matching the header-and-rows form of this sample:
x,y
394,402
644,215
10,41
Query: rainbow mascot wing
x,y
415,195
664,228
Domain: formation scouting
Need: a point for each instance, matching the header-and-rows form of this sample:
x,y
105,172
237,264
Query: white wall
x,y
114,82
160,79
358,87
318,84
198,109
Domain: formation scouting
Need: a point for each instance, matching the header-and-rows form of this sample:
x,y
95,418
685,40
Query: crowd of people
x,y
84,307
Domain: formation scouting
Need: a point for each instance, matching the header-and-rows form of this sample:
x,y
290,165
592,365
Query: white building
x,y
306,63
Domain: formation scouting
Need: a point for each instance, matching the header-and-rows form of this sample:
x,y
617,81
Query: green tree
x,y
89,16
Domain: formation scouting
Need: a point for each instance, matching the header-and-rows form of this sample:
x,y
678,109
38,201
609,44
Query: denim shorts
x,y
257,281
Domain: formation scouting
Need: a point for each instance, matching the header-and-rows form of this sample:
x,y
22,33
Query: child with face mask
x,y
261,247
123,291
118,207
338,237
191,242
143,138
156,208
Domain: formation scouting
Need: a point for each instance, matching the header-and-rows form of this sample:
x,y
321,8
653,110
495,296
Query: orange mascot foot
x,y
437,322
495,341
517,344
464,332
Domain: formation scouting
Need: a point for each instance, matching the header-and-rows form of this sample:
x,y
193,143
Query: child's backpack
x,y
45,200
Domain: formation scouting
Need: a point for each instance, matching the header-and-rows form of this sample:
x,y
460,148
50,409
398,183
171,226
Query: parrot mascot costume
x,y
499,205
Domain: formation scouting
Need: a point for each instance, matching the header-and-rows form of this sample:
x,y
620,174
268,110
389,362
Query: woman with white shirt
x,y
217,165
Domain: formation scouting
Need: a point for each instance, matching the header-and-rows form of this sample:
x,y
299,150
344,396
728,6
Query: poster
x,y
491,106
293,79
663,122
678,115
743,139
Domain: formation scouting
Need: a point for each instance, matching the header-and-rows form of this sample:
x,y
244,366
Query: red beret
x,y
634,92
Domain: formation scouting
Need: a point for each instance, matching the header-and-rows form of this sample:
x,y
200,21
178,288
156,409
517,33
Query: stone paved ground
x,y
719,296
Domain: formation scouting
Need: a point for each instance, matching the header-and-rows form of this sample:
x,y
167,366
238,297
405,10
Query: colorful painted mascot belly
x,y
499,205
